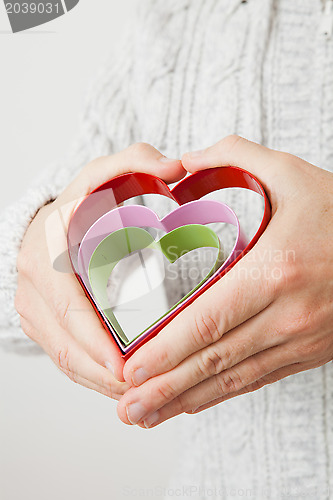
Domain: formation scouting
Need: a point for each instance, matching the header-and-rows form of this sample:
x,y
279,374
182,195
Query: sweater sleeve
x,y
106,126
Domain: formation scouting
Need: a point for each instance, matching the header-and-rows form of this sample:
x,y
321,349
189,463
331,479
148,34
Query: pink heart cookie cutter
x,y
195,212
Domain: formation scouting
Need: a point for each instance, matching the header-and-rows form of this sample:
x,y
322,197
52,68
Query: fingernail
x,y
196,154
152,419
109,366
135,412
163,159
139,376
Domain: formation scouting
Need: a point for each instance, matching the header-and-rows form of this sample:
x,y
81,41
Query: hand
x,y
54,310
250,328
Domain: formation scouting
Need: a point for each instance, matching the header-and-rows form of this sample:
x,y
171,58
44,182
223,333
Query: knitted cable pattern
x,y
191,72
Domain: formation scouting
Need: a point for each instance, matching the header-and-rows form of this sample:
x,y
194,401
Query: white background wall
x,y
58,440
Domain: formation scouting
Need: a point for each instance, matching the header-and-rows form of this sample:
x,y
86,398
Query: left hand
x,y
250,328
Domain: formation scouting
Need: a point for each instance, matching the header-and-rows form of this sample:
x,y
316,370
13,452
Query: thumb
x,y
139,157
264,163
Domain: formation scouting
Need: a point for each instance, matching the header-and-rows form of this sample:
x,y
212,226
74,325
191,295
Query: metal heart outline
x,y
193,187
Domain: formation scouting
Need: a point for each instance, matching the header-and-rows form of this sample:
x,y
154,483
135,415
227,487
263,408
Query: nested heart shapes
x,y
108,196
182,218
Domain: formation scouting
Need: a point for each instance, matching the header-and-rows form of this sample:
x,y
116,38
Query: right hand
x,y
53,308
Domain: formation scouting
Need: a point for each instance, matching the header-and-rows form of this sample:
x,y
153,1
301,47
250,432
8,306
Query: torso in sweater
x,y
192,72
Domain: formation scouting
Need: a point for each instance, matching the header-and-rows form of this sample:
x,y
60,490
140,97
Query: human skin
x,y
244,333
53,308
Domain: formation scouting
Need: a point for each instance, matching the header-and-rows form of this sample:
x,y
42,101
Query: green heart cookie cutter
x,y
124,242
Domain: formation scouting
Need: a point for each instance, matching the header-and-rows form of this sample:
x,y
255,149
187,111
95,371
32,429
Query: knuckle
x,y
72,376
63,361
61,308
20,303
108,385
254,386
312,350
139,148
229,381
164,392
28,329
24,262
161,359
212,361
287,274
205,330
230,142
104,387
181,404
298,321
109,391
301,319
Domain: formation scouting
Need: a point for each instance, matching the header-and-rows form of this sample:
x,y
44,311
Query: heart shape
x,y
123,242
123,187
195,212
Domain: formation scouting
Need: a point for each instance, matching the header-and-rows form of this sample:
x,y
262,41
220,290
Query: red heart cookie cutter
x,y
123,187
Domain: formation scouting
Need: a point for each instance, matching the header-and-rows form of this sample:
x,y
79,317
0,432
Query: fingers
x,y
138,157
167,404
81,369
232,150
73,312
275,376
40,324
234,379
79,319
235,346
230,302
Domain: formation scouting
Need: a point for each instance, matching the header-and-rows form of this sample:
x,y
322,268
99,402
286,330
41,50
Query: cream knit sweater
x,y
191,72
